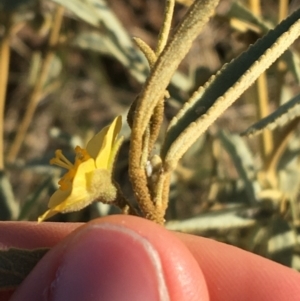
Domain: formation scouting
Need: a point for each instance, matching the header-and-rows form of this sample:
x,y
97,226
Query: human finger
x,y
116,258
234,274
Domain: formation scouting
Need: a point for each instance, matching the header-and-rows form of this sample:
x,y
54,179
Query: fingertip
x,y
182,273
116,255
32,235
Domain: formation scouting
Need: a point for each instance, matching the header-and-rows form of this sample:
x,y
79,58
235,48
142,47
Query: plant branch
x,y
147,51
154,89
225,87
165,30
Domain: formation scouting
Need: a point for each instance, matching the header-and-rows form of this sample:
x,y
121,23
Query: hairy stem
x,y
154,90
165,30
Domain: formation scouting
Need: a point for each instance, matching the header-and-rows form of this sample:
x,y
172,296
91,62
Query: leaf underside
x,y
16,264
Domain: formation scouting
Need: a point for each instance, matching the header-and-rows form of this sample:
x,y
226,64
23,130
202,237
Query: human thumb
x,y
116,258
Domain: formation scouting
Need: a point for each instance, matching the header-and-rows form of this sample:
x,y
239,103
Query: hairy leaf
x,y
153,91
210,101
279,117
223,219
16,264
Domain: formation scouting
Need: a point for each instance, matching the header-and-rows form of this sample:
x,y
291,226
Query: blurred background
x,y
67,71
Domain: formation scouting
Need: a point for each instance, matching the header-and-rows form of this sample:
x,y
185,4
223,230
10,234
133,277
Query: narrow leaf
x,y
154,89
16,264
289,171
224,88
243,162
9,208
95,12
282,241
292,60
175,50
106,44
242,13
279,117
225,220
115,40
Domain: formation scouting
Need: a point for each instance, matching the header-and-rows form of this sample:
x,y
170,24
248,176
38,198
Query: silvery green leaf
x,y
114,37
211,100
289,169
9,208
16,264
223,219
243,161
289,180
281,242
279,117
296,262
113,40
293,63
242,13
130,58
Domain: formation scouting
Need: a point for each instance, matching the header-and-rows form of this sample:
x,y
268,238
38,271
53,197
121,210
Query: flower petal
x,y
49,213
96,143
100,146
58,197
114,153
73,199
77,200
87,185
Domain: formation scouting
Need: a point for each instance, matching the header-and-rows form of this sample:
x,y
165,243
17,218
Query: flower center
x,y
60,160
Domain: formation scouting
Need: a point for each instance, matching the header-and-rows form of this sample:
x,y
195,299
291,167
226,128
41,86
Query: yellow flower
x,y
90,177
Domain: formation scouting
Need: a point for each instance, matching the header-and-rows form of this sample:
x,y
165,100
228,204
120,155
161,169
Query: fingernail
x,y
109,263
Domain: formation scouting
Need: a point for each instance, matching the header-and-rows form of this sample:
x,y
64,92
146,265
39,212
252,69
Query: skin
x,y
192,267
